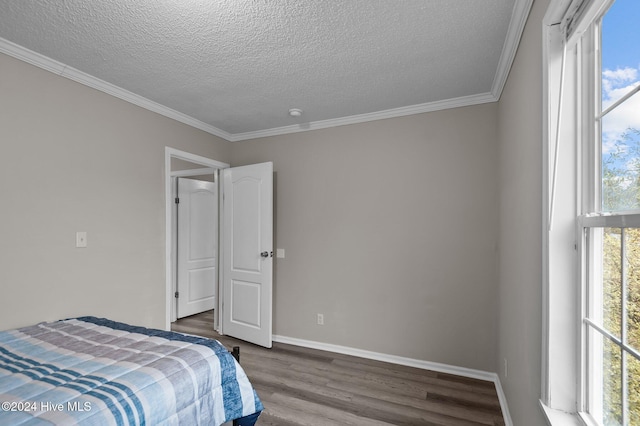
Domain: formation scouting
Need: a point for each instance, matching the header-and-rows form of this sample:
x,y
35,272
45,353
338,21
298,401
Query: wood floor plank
x,y
303,386
396,410
419,375
325,414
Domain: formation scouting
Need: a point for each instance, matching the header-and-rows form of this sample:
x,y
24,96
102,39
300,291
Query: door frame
x,y
170,153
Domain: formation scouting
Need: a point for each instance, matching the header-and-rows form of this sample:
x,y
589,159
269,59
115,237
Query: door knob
x,y
264,254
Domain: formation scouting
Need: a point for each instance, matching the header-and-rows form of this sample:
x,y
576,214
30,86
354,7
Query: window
x,y
591,357
610,222
612,321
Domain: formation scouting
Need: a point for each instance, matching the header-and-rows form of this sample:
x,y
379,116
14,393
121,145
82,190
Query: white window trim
x,y
562,328
560,345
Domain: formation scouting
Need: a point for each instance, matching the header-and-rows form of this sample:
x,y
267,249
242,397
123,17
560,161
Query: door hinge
x,y
177,200
176,294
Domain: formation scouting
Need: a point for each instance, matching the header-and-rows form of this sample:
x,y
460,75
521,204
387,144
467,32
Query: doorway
x,y
181,165
245,243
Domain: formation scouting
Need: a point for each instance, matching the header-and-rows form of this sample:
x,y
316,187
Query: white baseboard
x,y
503,401
410,362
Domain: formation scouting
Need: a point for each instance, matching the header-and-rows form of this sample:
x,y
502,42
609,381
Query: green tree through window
x,y
620,193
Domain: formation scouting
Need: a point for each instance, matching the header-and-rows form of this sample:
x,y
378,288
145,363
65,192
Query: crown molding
x,y
514,33
62,70
519,16
373,116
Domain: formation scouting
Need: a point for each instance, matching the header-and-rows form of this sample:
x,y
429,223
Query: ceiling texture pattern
x,y
234,68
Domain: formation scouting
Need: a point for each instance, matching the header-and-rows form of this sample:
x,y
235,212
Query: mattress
x,y
95,371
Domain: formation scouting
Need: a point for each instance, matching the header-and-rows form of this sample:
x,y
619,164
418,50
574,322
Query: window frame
x,y
566,199
591,217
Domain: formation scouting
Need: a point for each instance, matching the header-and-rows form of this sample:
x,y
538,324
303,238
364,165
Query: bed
x,y
93,371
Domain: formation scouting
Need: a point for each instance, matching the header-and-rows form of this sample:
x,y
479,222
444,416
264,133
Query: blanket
x,y
95,371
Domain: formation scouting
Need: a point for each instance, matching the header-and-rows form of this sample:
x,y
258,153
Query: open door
x,y
247,235
197,210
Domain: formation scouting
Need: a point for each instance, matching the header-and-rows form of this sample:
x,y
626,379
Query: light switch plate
x,y
280,253
81,239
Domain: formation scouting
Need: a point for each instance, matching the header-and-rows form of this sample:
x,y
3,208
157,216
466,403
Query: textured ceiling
x,y
237,66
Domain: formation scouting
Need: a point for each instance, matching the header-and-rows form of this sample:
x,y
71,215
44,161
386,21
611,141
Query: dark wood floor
x,y
301,386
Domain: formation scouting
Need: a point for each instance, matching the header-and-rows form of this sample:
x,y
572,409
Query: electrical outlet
x,y
320,319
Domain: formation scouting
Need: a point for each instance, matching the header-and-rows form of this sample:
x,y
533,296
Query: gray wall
x,y
520,270
390,231
75,159
416,236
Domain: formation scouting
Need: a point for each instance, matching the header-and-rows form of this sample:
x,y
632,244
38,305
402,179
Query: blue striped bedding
x,y
94,371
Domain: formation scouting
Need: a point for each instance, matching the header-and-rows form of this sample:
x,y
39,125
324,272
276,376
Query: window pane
x,y
632,247
633,386
621,157
612,281
612,384
620,138
620,48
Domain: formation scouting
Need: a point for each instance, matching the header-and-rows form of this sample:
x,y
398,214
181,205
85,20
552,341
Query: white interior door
x,y
197,246
247,235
